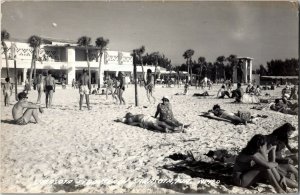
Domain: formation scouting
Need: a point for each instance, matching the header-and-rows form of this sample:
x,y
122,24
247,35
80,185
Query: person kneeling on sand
x,y
31,110
245,173
148,122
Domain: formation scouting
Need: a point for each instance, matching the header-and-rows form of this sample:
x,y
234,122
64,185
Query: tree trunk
x,y
6,60
135,82
88,63
99,70
143,71
16,79
31,71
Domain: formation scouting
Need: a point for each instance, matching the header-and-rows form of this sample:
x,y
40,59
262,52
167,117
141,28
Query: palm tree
x,y
5,36
34,42
139,52
188,56
85,41
220,62
101,44
203,65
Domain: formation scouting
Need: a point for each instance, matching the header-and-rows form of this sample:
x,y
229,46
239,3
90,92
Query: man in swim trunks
x,y
39,82
84,89
49,88
148,122
7,91
23,118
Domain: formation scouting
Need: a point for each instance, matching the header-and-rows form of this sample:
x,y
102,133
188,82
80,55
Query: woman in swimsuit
x,y
7,91
279,139
149,86
121,87
252,165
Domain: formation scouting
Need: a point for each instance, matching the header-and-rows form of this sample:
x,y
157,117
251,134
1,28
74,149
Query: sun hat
x,y
165,98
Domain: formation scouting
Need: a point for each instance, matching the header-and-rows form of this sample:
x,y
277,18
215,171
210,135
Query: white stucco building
x,y
67,60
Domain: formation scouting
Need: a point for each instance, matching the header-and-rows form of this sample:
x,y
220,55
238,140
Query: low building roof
x,y
280,77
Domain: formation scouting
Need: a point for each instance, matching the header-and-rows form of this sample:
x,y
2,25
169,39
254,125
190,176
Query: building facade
x,y
242,72
67,61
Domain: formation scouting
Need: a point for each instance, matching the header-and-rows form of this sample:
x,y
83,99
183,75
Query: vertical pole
x,y
16,79
135,81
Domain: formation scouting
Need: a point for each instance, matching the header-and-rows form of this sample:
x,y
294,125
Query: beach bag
x,y
244,115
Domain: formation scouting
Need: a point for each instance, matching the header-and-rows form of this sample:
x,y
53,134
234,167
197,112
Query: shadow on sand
x,y
207,170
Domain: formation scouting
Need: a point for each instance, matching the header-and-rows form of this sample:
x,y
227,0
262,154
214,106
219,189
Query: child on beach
x,y
245,173
23,118
39,83
186,87
7,91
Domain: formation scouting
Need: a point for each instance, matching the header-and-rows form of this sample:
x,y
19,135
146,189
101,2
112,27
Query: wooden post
x,y
13,54
135,80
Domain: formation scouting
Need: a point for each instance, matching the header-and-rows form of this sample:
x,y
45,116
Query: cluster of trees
x,y
288,67
36,41
222,68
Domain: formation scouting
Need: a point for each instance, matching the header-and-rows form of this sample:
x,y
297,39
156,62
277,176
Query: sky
x,y
261,30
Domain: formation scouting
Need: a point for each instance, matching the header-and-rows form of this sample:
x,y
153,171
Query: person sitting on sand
x,y
238,93
286,92
222,92
279,138
23,118
164,110
257,91
148,123
7,91
245,173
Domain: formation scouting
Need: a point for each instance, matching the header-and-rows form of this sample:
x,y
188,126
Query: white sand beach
x,y
103,156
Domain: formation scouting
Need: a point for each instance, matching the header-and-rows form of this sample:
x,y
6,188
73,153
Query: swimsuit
x,y
49,88
148,122
84,90
21,121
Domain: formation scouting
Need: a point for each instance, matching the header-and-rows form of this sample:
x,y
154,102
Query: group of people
x,y
262,160
165,123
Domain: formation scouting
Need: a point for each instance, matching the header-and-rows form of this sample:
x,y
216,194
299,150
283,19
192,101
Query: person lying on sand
x,y
23,118
148,122
201,94
284,106
279,139
246,174
164,110
236,118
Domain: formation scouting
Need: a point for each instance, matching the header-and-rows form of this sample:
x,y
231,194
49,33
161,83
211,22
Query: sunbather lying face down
x,y
148,122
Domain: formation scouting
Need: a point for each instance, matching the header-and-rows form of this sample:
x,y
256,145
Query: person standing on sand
x,y
109,88
23,118
84,89
49,88
149,85
39,82
7,91
121,87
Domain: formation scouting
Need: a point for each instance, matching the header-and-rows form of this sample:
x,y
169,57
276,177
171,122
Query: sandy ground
x,y
87,146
